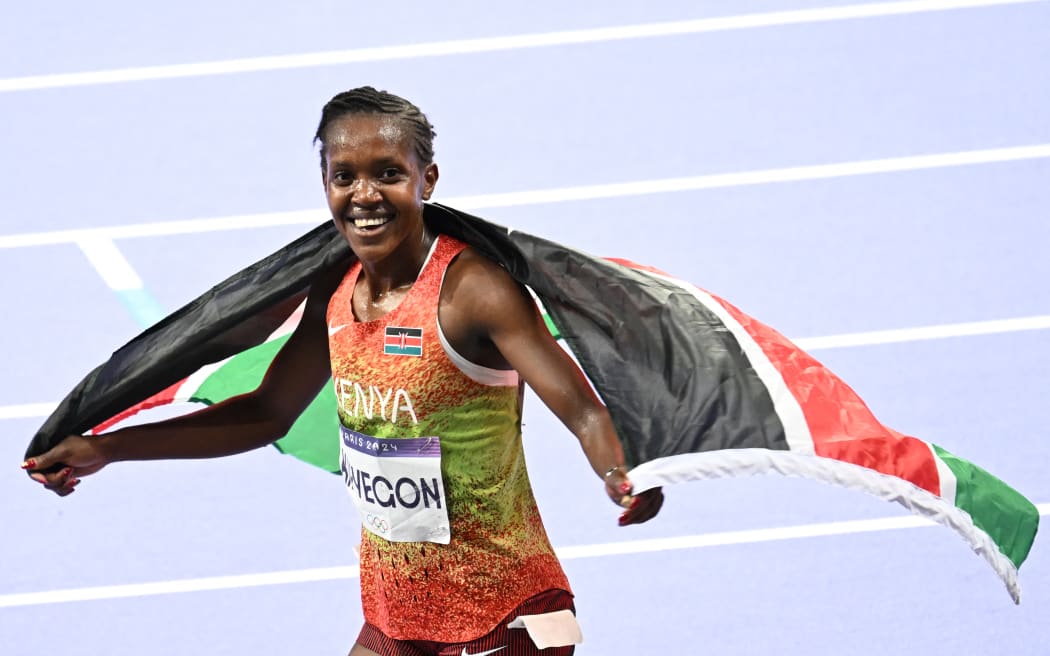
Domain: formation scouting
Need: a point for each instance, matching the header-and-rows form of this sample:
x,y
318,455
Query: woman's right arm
x,y
297,374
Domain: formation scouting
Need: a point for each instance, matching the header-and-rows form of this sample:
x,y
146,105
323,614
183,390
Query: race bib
x,y
396,485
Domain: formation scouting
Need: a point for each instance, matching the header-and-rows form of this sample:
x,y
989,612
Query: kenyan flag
x,y
819,428
696,388
403,341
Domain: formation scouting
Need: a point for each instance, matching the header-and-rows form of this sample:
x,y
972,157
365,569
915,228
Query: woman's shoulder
x,y
471,273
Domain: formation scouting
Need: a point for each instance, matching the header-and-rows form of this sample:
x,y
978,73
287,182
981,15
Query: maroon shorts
x,y
500,642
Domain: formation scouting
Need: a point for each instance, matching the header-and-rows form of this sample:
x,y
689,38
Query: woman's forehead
x,y
366,130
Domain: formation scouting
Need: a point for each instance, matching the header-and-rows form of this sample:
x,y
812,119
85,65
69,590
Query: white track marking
x,y
163,229
110,263
629,547
493,44
746,178
183,585
27,410
872,338
928,332
559,195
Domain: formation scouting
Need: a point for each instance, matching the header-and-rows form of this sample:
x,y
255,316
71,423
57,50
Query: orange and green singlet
x,y
397,377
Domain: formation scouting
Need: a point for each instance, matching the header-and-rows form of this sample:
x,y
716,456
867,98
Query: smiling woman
x,y
376,183
428,344
447,574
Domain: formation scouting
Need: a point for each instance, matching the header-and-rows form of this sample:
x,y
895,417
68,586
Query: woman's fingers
x,y
642,507
61,468
638,508
61,482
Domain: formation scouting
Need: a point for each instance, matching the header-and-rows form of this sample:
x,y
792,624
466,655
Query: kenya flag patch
x,y
403,341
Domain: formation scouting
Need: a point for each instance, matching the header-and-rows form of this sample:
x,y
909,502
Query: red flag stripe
x,y
840,424
163,397
395,340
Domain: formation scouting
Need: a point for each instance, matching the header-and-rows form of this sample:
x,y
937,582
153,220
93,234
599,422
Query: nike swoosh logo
x,y
334,329
482,653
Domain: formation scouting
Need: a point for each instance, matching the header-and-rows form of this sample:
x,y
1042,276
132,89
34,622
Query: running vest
x,y
397,378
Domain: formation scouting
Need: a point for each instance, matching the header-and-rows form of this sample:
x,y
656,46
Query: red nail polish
x,y
625,488
29,464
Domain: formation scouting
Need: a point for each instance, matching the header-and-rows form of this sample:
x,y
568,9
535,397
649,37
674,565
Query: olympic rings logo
x,y
378,524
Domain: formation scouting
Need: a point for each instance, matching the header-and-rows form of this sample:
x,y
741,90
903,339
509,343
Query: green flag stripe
x,y
550,326
989,501
312,438
243,373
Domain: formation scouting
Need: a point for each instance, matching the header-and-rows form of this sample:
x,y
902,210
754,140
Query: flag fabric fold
x,y
696,388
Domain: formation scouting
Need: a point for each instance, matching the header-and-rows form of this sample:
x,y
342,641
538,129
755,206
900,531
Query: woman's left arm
x,y
501,311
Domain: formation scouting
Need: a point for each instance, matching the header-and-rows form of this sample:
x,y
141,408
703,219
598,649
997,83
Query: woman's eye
x,y
389,174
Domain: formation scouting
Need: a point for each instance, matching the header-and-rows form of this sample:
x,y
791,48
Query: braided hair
x,y
366,100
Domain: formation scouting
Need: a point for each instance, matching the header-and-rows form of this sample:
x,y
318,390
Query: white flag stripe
x,y
492,44
728,538
849,340
548,196
949,484
786,406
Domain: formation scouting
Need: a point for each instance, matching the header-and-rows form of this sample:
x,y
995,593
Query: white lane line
x,y
27,410
565,553
183,585
745,178
166,228
110,263
558,195
121,277
493,44
871,338
942,331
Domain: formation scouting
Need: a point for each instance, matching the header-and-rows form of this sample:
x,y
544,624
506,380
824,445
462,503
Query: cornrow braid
x,y
367,100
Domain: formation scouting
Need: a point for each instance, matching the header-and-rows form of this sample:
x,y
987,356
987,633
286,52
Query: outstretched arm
x,y
245,422
489,306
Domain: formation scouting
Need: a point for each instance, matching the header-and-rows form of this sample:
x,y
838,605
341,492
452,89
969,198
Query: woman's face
x,y
376,185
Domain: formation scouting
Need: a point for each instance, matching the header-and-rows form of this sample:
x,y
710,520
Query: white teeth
x,y
368,223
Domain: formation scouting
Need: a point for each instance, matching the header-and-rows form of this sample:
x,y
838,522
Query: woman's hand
x,y
638,507
74,457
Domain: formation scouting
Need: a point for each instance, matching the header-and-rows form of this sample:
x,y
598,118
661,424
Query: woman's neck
x,y
401,268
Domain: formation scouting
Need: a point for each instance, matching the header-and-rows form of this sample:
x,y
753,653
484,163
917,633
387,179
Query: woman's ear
x,y
430,178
